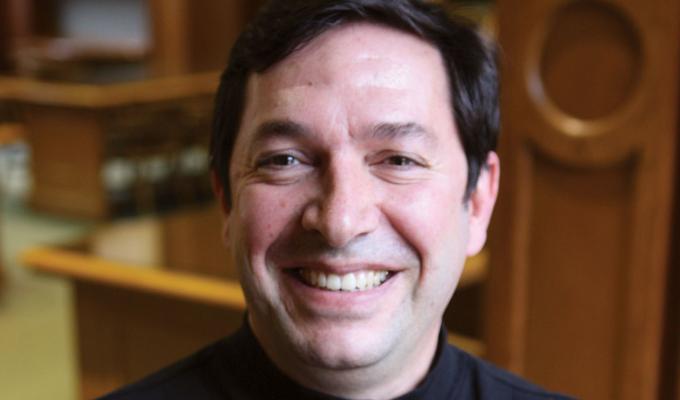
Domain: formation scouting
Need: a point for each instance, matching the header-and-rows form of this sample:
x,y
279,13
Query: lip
x,y
339,269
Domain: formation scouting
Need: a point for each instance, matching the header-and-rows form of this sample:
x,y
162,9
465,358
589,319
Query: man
x,y
353,155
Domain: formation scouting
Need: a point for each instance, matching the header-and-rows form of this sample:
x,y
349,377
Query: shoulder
x,y
494,383
192,377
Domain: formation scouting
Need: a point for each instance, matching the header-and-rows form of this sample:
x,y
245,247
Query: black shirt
x,y
236,368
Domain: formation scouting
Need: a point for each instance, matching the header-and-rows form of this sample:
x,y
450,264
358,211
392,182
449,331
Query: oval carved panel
x,y
597,47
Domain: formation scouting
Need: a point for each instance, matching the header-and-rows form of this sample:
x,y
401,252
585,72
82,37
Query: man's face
x,y
348,220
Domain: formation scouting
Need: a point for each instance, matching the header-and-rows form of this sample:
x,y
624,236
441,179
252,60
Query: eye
x,y
400,166
279,160
401,161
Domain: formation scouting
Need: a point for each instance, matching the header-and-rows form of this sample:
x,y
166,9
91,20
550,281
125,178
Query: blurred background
x,y
111,259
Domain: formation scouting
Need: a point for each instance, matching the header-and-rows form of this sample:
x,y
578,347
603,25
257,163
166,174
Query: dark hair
x,y
284,26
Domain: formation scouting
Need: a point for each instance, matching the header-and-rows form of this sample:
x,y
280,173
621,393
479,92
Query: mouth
x,y
351,282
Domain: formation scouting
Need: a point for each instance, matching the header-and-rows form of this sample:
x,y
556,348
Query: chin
x,y
346,347
343,357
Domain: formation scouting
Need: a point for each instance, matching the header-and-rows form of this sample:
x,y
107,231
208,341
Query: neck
x,y
396,374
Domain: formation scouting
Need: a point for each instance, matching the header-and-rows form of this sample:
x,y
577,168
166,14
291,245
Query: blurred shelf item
x,y
12,134
81,60
84,49
13,159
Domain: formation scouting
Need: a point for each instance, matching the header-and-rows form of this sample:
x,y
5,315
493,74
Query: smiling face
x,y
348,221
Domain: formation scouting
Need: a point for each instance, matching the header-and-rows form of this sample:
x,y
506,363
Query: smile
x,y
350,282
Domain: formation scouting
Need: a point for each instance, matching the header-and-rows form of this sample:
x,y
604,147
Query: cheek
x,y
262,214
433,221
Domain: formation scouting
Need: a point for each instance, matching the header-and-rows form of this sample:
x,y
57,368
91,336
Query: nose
x,y
345,208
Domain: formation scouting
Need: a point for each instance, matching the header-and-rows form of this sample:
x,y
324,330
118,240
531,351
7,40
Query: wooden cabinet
x,y
167,37
580,245
74,130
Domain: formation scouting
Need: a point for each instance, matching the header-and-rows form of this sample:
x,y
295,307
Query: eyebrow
x,y
384,131
280,128
390,131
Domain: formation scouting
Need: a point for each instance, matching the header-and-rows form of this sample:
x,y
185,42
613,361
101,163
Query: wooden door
x,y
581,239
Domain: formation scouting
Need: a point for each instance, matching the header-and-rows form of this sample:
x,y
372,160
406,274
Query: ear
x,y
481,203
218,189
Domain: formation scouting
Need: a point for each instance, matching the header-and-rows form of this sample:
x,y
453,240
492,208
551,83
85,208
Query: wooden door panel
x,y
580,243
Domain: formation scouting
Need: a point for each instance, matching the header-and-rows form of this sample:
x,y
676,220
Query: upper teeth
x,y
360,280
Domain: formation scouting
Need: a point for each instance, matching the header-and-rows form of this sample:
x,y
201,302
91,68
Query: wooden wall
x,y
580,244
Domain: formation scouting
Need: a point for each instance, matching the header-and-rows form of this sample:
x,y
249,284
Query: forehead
x,y
356,47
363,58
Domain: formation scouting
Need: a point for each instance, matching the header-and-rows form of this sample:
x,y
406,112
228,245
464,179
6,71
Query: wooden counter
x,y
161,282
131,321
